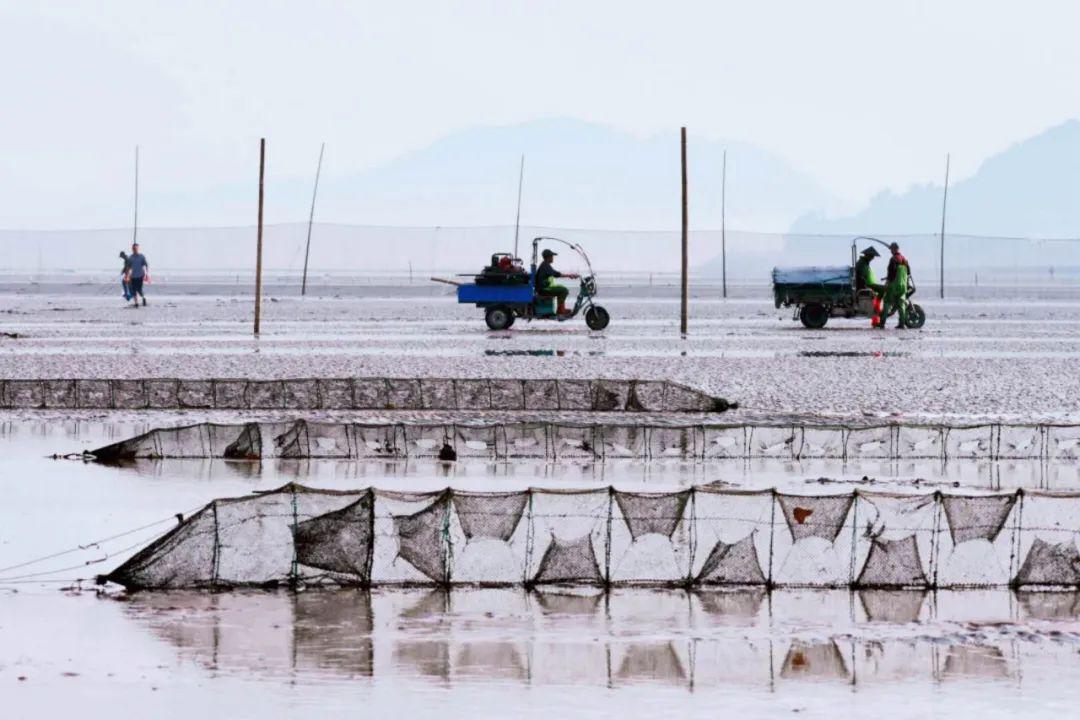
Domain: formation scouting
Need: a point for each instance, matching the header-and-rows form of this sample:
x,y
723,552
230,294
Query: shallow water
x,y
493,652
488,653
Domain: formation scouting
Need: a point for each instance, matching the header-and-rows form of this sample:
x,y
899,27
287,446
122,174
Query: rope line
x,y
94,543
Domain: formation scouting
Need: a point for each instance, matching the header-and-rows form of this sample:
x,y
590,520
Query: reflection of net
x,y
814,660
892,606
703,536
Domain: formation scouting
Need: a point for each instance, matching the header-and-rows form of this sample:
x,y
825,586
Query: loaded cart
x,y
820,292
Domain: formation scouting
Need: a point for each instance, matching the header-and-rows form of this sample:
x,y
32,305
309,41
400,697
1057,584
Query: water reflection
x,y
626,637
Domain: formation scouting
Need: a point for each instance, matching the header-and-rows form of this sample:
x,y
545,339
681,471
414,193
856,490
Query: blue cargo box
x,y
492,294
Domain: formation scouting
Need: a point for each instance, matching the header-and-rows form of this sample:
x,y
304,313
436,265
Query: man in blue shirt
x,y
137,269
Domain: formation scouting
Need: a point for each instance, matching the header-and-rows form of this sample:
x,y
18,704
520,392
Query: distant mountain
x,y
1029,190
577,174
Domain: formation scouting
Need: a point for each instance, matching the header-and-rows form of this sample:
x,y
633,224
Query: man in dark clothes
x,y
895,298
546,285
894,262
123,277
137,271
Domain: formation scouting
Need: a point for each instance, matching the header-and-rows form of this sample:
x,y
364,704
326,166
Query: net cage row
x,y
305,439
361,394
702,536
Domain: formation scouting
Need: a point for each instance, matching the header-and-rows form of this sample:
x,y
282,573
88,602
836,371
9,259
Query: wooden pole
x,y
517,220
685,233
259,236
135,224
311,220
944,204
723,224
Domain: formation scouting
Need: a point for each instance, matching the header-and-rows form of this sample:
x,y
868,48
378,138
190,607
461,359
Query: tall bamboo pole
x,y
723,224
135,224
944,204
311,221
685,236
517,219
259,236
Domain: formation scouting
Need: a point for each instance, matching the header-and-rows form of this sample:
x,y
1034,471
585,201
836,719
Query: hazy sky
x,y
862,95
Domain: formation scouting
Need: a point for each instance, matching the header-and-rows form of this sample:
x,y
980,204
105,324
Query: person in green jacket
x,y
864,274
896,288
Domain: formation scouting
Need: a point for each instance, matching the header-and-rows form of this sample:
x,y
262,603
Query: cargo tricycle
x,y
507,292
821,292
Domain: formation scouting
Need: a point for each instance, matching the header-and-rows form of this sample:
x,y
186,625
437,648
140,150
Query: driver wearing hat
x,y
546,285
864,274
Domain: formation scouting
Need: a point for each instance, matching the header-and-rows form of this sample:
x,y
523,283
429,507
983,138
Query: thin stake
x,y
685,230
259,241
944,204
517,220
723,224
311,220
135,224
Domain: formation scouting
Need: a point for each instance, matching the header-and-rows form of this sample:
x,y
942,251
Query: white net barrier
x,y
636,396
553,440
703,536
1004,265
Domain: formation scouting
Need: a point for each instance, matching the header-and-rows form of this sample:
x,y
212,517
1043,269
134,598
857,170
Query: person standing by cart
x,y
896,288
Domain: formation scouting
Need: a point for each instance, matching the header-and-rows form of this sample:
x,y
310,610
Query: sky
x,y
861,95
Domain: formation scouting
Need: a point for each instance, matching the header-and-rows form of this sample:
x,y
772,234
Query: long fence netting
x,y
407,255
371,393
702,536
559,441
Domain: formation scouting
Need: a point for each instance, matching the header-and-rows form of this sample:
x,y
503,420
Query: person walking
x,y
138,271
123,277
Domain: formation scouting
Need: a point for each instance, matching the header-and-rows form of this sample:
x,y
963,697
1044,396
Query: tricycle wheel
x,y
597,318
814,316
916,317
499,317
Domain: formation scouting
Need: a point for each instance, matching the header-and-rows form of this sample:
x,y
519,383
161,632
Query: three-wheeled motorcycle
x,y
506,292
821,292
